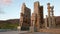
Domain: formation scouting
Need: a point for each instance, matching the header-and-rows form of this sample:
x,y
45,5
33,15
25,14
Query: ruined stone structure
x,y
35,22
50,19
25,17
37,16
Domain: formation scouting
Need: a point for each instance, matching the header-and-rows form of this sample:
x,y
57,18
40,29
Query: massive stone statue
x,y
25,17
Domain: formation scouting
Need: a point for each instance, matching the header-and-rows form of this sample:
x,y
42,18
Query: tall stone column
x,y
38,24
33,17
49,18
53,18
37,11
46,22
25,17
32,26
39,21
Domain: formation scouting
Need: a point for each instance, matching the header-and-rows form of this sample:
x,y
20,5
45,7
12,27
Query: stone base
x,y
35,33
24,28
31,29
50,30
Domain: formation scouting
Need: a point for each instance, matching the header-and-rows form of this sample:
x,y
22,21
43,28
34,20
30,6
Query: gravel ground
x,y
12,32
22,32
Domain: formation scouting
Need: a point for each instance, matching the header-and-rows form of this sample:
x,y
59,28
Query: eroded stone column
x,y
25,17
53,18
32,26
33,17
46,22
49,17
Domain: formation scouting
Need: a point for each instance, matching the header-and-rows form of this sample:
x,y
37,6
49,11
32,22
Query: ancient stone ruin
x,y
36,21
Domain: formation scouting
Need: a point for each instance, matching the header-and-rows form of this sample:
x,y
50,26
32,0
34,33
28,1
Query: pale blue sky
x,y
13,10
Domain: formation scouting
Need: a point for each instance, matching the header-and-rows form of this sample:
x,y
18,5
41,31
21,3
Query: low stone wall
x,y
50,30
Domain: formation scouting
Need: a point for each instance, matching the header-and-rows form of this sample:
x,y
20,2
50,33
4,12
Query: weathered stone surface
x,y
25,17
51,19
50,30
37,16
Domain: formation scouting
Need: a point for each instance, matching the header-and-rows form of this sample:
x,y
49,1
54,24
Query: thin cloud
x,y
5,2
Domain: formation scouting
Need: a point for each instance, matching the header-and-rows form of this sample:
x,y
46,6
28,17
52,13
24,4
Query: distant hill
x,y
17,20
9,24
13,20
10,21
